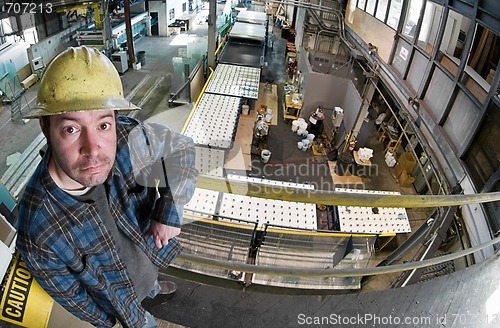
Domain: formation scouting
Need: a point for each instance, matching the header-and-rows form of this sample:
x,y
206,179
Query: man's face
x,y
83,147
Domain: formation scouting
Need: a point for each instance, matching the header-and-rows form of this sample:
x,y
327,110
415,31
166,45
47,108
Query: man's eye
x,y
70,130
105,126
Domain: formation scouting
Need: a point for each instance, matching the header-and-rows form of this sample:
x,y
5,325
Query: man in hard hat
x,y
100,213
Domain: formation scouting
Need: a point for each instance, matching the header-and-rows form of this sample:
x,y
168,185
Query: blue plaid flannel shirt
x,y
72,254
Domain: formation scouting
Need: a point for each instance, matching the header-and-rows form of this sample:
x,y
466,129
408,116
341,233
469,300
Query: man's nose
x,y
90,143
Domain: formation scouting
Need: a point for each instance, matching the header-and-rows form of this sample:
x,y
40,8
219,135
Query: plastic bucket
x,y
295,126
265,155
300,145
245,109
310,137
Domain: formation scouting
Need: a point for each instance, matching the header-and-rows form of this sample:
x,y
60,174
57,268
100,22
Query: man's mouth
x,y
93,169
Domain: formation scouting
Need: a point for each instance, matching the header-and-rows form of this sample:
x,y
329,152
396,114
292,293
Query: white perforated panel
x,y
203,203
233,80
214,121
210,161
372,220
275,212
269,182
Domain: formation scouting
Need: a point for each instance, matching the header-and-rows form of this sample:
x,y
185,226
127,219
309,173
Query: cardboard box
x,y
405,180
406,162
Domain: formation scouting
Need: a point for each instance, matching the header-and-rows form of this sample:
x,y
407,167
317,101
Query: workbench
x,y
293,106
389,137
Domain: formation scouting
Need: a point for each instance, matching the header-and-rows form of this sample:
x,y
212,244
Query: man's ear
x,y
44,125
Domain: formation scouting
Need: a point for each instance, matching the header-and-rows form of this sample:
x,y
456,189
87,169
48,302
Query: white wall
x,y
160,8
177,6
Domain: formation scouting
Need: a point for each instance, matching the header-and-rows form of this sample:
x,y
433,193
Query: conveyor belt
x,y
242,54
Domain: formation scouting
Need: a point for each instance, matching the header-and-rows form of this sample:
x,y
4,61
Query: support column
x,y
365,105
212,33
128,28
106,27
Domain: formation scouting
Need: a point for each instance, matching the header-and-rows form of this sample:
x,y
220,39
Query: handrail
x,y
326,273
326,197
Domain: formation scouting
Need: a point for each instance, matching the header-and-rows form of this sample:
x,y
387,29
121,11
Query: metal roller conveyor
x,y
210,161
249,16
214,121
203,204
377,220
248,31
271,211
233,80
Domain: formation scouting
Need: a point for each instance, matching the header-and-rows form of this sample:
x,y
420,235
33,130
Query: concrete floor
x,y
151,87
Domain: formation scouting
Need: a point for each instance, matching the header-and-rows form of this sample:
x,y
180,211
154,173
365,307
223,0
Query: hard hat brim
x,y
121,105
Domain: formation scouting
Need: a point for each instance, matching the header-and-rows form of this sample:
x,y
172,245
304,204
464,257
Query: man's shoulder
x,y
34,203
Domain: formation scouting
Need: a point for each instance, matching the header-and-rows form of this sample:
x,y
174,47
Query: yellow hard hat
x,y
79,79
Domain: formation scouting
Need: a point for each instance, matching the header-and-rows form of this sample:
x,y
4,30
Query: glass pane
x,y
370,7
361,4
431,23
30,35
484,54
6,26
411,18
394,13
453,40
454,36
381,10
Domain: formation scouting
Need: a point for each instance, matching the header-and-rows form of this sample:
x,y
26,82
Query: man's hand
x,y
162,233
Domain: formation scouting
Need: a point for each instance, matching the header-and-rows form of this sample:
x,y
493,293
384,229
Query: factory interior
x,y
346,153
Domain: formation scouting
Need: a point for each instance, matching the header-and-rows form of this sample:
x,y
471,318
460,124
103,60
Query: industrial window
x,y
485,53
378,9
483,163
184,7
381,10
483,157
451,47
171,14
411,18
361,4
493,211
431,23
30,35
394,13
6,26
370,7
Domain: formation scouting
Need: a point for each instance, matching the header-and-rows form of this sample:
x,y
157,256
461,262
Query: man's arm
x,y
164,160
55,278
